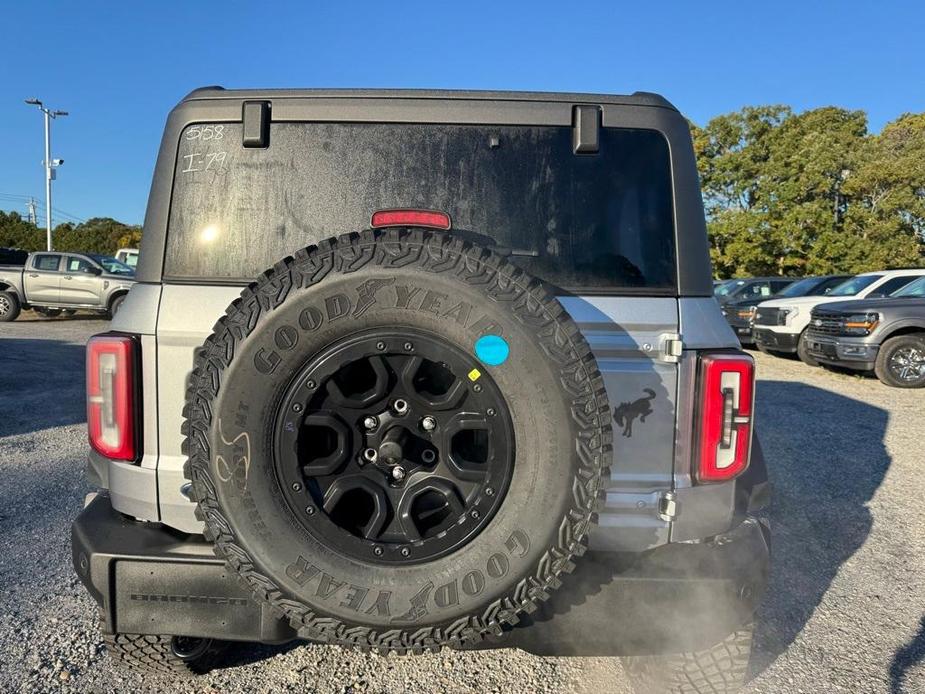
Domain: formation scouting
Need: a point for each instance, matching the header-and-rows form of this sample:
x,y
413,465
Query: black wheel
x,y
720,669
9,307
115,305
175,655
397,439
803,352
901,361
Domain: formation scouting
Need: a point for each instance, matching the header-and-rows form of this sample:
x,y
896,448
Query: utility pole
x,y
31,206
50,164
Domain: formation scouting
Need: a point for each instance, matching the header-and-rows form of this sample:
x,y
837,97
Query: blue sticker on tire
x,y
492,349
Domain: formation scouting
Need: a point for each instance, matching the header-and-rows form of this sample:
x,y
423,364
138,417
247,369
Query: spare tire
x,y
397,439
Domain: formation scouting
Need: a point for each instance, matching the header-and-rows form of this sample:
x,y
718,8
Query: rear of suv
x,y
412,370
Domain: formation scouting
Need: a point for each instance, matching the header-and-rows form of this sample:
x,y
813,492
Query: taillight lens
x,y
727,395
111,407
410,218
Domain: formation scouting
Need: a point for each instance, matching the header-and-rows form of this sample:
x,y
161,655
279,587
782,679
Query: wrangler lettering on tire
x,y
396,492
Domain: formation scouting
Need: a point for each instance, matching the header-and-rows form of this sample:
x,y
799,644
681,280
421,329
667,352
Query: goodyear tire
x,y
719,669
494,552
164,655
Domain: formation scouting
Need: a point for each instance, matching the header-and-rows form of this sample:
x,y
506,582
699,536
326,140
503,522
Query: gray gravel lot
x,y
844,612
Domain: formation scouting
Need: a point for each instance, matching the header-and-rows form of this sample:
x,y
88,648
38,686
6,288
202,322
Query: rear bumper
x,y
842,351
677,597
775,341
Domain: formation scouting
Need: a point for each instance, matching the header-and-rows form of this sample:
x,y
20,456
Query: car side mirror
x,y
95,271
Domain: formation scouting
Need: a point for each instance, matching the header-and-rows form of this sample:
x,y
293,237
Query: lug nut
x,y
310,510
400,407
377,551
311,385
398,473
491,411
409,347
475,514
297,407
380,346
428,423
405,552
296,487
370,455
370,422
477,388
489,491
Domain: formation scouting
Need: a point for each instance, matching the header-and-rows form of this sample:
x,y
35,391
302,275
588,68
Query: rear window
x,y
599,221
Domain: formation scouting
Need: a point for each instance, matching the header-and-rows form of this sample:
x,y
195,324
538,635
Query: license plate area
x,y
180,599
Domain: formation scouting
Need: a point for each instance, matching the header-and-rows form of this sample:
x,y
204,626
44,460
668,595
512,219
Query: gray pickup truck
x,y
886,336
54,282
455,377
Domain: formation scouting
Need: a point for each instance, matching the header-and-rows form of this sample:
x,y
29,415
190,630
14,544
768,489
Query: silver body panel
x,y
651,398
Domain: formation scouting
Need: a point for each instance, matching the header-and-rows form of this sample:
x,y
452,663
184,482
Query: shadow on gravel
x,y
240,654
41,385
826,458
906,658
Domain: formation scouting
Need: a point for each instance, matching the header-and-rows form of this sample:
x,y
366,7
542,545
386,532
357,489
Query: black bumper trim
x,y
779,342
148,580
675,598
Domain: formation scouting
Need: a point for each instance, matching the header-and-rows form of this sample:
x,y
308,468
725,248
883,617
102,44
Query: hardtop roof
x,y
635,99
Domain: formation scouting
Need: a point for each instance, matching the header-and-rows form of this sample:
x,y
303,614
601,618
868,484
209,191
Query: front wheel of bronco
x,y
177,655
720,669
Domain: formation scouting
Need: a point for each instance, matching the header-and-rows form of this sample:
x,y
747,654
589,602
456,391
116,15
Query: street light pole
x,y
47,178
50,164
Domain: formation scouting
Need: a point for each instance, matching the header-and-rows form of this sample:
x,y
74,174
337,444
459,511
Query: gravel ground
x,y
844,612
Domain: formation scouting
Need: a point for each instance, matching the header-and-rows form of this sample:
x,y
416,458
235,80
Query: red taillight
x,y
410,218
111,407
727,395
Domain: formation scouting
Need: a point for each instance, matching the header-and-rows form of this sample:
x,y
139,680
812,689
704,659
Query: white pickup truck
x,y
53,282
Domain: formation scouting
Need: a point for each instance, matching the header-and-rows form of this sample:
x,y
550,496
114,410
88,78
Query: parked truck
x,y
52,282
886,336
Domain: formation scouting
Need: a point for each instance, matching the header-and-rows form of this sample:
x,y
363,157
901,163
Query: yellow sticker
x,y
474,375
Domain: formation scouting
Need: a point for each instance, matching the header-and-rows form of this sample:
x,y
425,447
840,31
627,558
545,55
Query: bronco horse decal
x,y
629,411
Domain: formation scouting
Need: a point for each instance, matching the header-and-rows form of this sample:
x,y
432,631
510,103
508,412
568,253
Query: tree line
x,y
811,193
102,235
785,194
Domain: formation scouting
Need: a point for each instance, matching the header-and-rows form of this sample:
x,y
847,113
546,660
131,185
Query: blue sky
x,y
119,68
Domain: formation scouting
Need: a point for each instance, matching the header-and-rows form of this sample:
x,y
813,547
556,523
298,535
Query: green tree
x,y
805,193
97,235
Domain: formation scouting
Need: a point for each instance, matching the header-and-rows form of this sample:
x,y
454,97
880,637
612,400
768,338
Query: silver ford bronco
x,y
407,370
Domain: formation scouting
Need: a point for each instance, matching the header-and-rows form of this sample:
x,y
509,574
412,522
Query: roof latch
x,y
586,127
256,117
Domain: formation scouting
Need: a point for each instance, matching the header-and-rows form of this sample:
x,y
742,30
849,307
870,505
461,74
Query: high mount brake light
x,y
411,218
111,405
727,394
